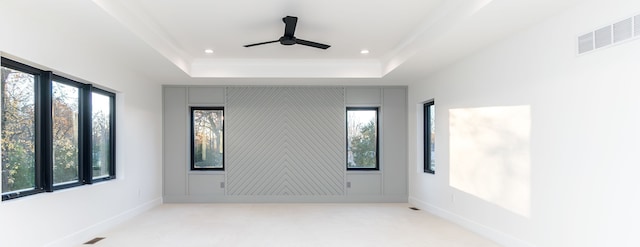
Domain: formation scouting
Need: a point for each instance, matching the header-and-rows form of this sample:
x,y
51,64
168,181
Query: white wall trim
x,y
485,231
285,199
86,234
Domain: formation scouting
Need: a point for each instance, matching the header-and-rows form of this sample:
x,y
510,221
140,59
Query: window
x,y
65,112
429,115
207,138
46,131
362,138
19,168
102,134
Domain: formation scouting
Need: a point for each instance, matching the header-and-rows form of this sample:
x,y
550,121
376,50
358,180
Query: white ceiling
x,y
407,39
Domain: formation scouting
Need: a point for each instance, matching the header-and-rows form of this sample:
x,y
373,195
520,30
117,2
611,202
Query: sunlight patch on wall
x,y
490,155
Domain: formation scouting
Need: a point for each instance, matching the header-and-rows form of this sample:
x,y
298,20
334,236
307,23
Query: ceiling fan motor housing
x,y
287,40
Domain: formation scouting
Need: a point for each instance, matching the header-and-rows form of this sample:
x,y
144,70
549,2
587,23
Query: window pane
x,y
429,137
18,130
65,100
432,131
101,134
208,142
362,140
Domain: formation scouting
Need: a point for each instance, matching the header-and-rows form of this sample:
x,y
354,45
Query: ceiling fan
x,y
288,38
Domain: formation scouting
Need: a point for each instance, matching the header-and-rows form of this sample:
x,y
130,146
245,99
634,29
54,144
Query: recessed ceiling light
x,y
364,52
208,51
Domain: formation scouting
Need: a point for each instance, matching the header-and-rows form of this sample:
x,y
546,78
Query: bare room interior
x,y
320,123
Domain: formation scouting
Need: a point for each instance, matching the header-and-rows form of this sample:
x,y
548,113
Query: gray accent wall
x,y
285,144
285,141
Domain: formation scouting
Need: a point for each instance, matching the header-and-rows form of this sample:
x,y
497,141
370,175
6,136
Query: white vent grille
x,y
620,31
585,43
623,30
603,37
636,26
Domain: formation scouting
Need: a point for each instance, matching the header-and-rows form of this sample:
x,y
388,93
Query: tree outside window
x,y
46,136
362,138
18,130
207,147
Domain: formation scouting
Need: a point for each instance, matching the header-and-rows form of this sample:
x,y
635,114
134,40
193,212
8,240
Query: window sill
x,y
364,172
206,172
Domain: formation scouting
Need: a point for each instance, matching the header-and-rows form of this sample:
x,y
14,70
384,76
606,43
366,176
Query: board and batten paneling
x,y
285,141
394,141
175,120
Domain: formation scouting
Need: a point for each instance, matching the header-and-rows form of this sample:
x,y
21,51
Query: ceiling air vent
x,y
624,30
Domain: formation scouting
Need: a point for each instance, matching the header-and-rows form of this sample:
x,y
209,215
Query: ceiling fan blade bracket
x,y
290,23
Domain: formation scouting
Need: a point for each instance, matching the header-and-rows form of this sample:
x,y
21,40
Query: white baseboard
x,y
485,231
284,199
79,237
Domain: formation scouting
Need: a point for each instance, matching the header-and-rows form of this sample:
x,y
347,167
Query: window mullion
x,y
44,139
85,135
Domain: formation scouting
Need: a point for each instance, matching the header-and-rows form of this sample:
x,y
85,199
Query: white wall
x,y
56,40
580,178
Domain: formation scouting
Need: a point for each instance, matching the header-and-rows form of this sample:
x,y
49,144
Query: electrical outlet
x,y
348,184
221,185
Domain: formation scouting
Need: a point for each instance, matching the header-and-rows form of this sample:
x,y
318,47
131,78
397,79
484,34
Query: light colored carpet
x,y
281,225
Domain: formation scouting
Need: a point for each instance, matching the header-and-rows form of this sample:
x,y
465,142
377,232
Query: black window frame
x,y
40,173
427,143
81,138
192,138
112,136
43,121
363,108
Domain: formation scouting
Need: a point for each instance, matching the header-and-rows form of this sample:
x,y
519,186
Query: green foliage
x,y
101,144
363,147
18,131
17,96
65,133
17,169
66,161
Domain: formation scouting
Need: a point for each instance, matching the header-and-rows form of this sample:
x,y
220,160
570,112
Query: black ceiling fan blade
x,y
312,44
262,43
290,23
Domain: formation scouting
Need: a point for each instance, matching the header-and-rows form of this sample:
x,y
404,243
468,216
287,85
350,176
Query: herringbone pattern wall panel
x,y
284,141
